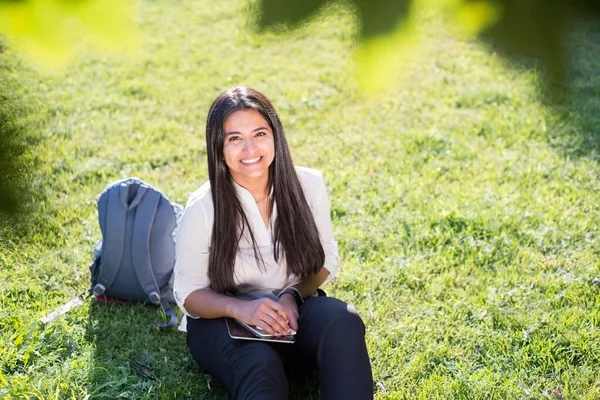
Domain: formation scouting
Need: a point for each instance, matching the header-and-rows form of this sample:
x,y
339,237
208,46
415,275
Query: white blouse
x,y
194,232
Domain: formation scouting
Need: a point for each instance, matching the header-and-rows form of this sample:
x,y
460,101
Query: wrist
x,y
233,308
288,297
294,294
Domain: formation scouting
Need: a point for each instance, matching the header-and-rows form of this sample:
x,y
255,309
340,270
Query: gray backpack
x,y
135,258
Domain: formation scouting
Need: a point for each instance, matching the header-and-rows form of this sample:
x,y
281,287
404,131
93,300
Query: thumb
x,y
293,323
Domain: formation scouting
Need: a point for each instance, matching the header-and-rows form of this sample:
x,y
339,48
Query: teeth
x,y
251,161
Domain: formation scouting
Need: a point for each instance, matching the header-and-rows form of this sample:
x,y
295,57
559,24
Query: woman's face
x,y
249,147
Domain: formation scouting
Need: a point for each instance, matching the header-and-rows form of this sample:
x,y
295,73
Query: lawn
x,y
465,208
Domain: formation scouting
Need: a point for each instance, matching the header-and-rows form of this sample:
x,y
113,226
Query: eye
x,y
261,133
232,138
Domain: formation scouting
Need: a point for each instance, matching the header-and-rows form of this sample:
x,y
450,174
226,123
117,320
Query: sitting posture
x,y
254,244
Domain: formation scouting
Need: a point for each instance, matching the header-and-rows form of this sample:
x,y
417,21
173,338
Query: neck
x,y
258,189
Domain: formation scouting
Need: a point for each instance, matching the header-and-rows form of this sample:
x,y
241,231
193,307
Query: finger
x,y
273,326
281,311
275,306
279,323
277,312
285,316
294,324
263,323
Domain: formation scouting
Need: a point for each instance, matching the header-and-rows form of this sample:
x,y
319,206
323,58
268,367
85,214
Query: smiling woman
x,y
254,244
249,150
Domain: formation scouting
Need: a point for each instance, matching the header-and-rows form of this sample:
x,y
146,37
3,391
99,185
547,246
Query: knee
x,y
346,323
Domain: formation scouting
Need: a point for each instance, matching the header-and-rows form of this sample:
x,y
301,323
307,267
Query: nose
x,y
247,145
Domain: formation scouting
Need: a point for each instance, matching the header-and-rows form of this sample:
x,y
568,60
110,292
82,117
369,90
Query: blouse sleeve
x,y
192,245
321,213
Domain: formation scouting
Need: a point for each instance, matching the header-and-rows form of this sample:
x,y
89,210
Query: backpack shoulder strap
x,y
113,241
140,244
170,314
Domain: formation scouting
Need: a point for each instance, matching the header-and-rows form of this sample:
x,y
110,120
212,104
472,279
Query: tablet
x,y
260,332
237,331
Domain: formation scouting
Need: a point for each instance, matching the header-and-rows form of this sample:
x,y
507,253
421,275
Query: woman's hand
x,y
288,303
264,313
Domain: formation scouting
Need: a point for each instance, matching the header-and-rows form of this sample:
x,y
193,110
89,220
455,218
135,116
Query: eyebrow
x,y
260,128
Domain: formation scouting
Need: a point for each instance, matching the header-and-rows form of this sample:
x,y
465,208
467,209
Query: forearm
x,y
208,304
264,312
311,283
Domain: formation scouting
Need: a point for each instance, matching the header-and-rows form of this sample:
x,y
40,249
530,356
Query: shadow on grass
x,y
22,120
576,132
132,359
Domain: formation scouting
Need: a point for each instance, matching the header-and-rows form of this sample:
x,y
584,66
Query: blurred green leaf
x,y
289,12
47,31
388,35
376,16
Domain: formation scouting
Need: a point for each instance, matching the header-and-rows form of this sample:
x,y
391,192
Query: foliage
x,y
390,29
48,31
465,210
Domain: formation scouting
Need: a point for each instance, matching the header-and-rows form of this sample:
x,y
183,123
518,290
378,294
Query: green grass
x,y
466,210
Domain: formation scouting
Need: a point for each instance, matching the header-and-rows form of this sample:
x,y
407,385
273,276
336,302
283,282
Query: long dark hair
x,y
295,234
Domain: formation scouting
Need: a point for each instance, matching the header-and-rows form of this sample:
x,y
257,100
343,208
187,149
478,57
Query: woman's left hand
x,y
291,309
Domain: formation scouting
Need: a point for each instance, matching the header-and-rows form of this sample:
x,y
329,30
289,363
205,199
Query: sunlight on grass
x,y
466,211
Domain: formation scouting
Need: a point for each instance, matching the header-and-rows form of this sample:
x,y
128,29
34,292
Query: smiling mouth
x,y
250,161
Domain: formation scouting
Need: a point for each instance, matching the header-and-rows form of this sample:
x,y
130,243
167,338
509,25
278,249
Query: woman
x,y
255,243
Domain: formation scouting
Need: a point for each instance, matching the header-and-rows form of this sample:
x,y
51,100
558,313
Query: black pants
x,y
330,338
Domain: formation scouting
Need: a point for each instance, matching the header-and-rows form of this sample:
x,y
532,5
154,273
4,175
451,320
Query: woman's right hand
x,y
264,313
